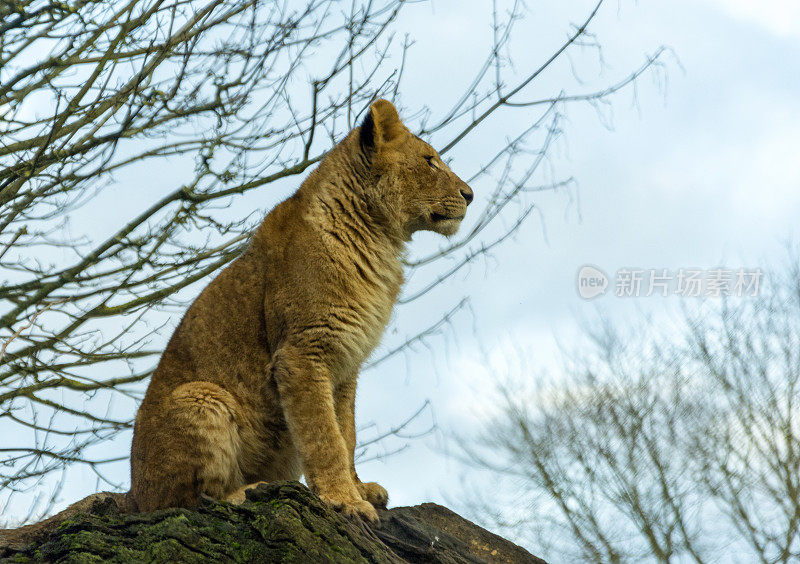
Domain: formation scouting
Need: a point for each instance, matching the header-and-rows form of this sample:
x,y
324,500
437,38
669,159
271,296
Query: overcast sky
x,y
699,172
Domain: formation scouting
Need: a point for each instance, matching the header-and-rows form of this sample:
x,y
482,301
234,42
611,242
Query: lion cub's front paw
x,y
353,507
373,493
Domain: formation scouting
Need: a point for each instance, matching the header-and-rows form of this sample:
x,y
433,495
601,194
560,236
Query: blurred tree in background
x,y
250,93
652,448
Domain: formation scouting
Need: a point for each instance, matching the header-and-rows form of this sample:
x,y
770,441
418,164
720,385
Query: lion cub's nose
x,y
466,191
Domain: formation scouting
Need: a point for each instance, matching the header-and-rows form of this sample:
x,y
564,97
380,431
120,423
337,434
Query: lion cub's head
x,y
422,191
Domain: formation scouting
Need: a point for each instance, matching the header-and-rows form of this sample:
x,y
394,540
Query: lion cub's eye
x,y
430,162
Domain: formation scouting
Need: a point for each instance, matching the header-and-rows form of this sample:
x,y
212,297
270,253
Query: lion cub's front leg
x,y
307,400
345,397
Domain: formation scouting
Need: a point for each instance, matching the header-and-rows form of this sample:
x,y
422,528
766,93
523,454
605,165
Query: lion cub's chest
x,y
364,309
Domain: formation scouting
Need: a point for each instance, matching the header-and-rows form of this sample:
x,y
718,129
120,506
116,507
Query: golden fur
x,y
258,382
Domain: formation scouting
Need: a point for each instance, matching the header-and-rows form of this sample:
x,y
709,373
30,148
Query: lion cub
x,y
258,382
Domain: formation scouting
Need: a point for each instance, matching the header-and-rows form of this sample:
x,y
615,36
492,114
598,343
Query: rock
x,y
279,522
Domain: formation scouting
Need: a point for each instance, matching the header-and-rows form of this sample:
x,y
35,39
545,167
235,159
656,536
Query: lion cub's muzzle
x,y
447,218
466,192
456,214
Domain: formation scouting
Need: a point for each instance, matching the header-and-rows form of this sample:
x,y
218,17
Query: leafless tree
x,y
95,96
652,447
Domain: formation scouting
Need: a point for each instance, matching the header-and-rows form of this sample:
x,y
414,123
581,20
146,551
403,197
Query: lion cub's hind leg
x,y
193,449
239,496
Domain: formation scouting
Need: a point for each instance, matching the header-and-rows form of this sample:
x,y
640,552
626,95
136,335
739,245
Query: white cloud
x,y
780,17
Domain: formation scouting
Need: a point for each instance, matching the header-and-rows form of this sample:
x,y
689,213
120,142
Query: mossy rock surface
x,y
279,522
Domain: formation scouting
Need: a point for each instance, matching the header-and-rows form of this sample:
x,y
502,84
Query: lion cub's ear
x,y
382,125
